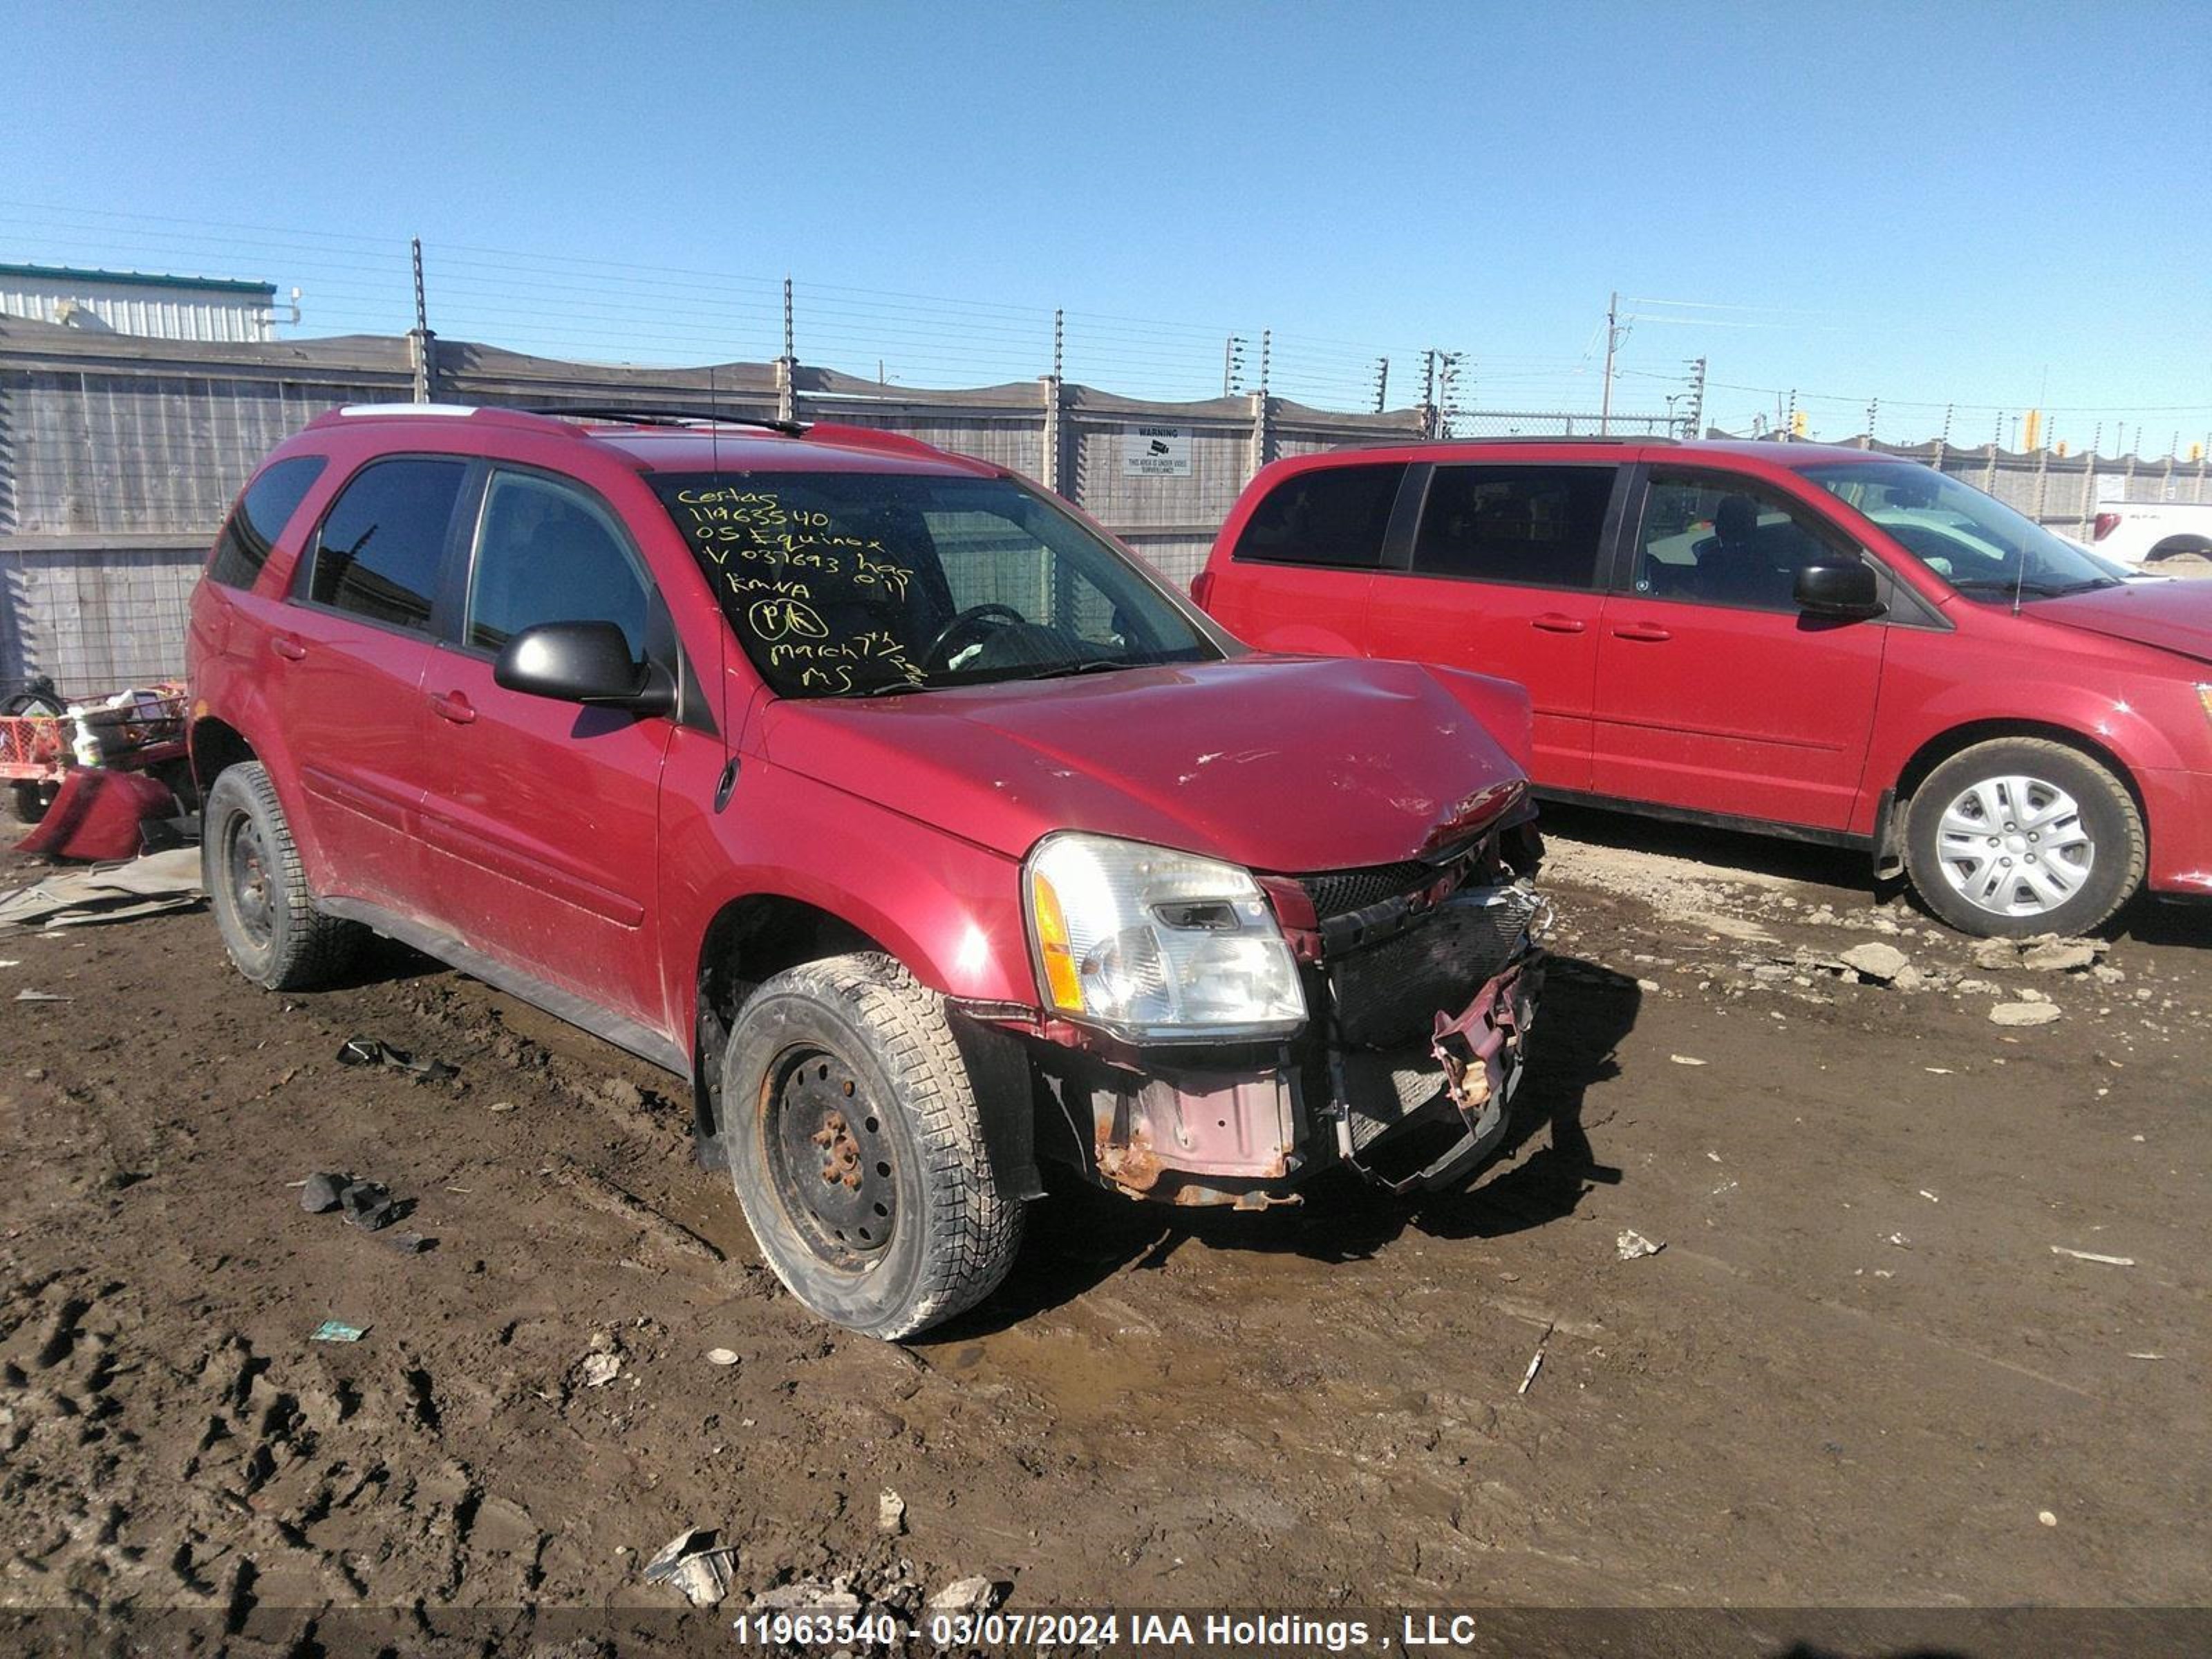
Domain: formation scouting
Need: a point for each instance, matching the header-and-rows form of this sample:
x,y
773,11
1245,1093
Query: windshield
x,y
860,584
1974,542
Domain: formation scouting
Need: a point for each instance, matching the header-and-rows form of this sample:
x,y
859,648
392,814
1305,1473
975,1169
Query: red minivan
x,y
1820,642
921,829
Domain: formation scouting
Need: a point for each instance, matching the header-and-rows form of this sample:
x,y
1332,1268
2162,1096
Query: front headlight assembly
x,y
1156,945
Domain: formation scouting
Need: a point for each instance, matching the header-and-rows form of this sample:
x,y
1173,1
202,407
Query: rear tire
x,y
2023,835
28,801
258,889
858,1151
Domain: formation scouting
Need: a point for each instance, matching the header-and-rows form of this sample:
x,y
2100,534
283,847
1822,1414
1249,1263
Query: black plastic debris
x,y
367,1204
375,1051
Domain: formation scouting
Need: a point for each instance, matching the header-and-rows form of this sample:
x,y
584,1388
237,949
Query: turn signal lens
x,y
1062,983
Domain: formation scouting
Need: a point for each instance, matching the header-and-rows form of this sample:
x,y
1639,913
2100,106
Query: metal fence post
x,y
786,367
1263,435
1053,439
421,344
2089,494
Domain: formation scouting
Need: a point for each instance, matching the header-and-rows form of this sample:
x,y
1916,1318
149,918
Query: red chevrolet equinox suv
x,y
923,831
1825,643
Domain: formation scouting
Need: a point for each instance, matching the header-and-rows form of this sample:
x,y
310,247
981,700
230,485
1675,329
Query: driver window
x,y
990,559
546,554
1727,541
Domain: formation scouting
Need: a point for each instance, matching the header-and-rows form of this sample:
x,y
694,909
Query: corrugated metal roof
x,y
141,279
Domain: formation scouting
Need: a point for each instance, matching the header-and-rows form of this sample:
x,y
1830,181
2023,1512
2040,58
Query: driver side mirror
x,y
586,662
1846,591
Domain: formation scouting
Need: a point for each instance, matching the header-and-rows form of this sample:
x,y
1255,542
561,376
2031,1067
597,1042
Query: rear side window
x,y
259,518
1537,526
378,551
1332,515
548,554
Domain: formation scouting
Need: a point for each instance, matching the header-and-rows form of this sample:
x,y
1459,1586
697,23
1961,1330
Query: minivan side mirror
x,y
1842,591
586,662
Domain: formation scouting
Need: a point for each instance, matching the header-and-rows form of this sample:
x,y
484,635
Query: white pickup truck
x,y
2145,534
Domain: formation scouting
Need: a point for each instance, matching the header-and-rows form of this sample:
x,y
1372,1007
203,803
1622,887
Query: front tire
x,y
2022,836
250,869
858,1150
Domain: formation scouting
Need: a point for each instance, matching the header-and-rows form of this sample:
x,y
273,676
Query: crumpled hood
x,y
2173,616
1280,764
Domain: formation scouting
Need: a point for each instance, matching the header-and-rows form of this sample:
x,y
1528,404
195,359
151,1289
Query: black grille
x,y
1391,992
1336,892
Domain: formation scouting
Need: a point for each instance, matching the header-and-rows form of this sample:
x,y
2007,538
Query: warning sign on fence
x,y
1156,452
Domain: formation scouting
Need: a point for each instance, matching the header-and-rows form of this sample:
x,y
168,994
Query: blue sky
x,y
1989,205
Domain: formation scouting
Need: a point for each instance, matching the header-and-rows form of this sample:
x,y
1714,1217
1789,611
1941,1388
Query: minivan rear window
x,y
1539,525
1332,515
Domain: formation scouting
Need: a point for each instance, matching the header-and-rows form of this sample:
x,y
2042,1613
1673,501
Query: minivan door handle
x,y
1557,621
1648,632
452,705
287,647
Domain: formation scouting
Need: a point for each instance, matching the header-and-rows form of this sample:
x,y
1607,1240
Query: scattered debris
x,y
143,887
2145,1356
2046,1517
2023,1013
2061,955
27,994
336,1330
1536,1360
970,1595
1685,1059
602,1361
890,1512
1880,963
695,1565
1930,1196
1897,1239
1632,1245
319,1194
502,1106
721,1356
809,1595
374,1051
2091,1255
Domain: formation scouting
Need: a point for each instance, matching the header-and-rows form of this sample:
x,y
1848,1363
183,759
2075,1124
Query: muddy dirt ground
x,y
1881,1359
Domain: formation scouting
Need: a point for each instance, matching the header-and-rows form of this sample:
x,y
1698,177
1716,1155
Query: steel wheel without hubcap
x,y
2015,846
828,1156
248,862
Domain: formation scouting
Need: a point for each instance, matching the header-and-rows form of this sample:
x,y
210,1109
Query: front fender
x,y
947,908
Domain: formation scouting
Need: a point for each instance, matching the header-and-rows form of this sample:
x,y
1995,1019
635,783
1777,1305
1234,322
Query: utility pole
x,y
1381,383
1266,334
1612,340
1694,423
1232,361
1059,343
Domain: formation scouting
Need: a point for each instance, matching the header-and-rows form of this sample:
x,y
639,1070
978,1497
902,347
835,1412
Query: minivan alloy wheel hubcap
x,y
2014,845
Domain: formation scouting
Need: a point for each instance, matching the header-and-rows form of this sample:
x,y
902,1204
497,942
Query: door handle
x,y
1557,621
452,705
287,647
1648,632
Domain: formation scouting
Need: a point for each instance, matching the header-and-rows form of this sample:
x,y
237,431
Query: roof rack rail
x,y
1550,438
671,415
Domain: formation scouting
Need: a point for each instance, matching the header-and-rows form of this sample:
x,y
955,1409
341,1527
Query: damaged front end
x,y
1420,982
